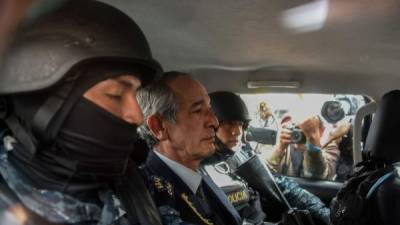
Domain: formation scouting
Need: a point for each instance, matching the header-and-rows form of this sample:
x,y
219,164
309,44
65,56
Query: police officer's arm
x,y
302,199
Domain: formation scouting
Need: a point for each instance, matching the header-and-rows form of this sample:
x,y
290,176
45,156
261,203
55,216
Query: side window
x,y
304,135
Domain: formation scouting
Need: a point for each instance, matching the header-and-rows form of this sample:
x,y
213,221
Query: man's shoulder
x,y
157,183
164,184
152,164
160,184
156,172
163,192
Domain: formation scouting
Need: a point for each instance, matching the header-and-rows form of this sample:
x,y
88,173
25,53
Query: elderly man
x,y
180,127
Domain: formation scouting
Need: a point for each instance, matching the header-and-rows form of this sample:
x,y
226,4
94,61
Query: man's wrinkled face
x,y
230,132
194,131
118,96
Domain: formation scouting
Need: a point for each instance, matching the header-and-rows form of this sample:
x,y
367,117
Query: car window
x,y
317,126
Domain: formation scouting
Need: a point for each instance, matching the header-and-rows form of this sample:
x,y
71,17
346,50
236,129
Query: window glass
x,y
303,135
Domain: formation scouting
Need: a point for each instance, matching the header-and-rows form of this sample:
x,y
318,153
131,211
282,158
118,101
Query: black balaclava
x,y
84,146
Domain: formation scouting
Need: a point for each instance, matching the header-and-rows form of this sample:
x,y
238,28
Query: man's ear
x,y
156,126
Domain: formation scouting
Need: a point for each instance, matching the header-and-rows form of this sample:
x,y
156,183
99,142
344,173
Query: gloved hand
x,y
253,213
297,217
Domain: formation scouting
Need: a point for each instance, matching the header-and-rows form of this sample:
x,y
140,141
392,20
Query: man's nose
x,y
236,130
131,111
212,120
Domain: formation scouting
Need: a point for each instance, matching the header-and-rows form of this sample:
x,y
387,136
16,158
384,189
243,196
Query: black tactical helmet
x,y
52,62
228,106
78,33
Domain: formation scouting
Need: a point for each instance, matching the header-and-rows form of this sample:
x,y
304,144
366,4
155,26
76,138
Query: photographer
x,y
305,157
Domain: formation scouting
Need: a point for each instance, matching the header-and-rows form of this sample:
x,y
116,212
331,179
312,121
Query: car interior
x,y
331,49
264,47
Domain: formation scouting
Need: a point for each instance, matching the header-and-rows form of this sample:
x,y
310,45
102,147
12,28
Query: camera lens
x,y
297,136
332,111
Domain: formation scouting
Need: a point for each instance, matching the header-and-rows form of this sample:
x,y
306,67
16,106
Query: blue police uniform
x,y
42,206
245,199
296,196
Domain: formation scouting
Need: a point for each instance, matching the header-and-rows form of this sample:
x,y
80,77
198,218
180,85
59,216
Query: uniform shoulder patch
x,y
161,185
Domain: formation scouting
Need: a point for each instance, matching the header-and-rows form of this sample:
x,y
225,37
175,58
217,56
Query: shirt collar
x,y
191,178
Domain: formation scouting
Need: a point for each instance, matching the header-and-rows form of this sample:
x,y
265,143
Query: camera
x,y
335,110
261,135
332,111
297,136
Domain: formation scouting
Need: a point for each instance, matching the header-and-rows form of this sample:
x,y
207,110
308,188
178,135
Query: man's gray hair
x,y
158,99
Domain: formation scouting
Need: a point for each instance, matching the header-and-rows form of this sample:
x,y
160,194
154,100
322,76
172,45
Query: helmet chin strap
x,y
47,111
22,135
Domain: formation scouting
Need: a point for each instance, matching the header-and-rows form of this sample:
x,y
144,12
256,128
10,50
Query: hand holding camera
x,y
312,129
308,130
296,135
284,138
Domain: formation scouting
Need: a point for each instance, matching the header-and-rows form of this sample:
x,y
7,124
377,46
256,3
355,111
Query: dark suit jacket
x,y
176,201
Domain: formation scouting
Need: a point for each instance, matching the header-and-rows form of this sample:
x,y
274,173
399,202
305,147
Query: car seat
x,y
382,145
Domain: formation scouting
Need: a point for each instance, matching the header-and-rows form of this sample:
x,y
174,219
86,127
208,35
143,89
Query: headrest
x,y
383,137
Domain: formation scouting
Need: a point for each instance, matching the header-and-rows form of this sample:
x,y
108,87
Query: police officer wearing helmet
x,y
68,119
234,118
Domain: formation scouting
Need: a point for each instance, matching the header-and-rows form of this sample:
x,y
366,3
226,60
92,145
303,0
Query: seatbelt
x,y
378,183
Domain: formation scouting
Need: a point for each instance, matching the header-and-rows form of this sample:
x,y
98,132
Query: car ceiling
x,y
348,47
